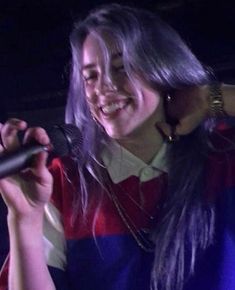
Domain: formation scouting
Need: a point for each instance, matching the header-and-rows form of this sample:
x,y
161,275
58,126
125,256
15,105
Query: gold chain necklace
x,y
142,241
141,208
138,234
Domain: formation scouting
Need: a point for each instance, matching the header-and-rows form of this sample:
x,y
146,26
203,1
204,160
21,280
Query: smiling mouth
x,y
114,107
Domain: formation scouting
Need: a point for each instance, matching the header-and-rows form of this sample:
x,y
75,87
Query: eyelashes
x,y
92,76
89,78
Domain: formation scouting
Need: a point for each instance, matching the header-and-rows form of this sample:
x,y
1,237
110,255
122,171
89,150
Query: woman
x,y
141,209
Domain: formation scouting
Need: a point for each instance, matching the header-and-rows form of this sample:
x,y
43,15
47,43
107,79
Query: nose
x,y
104,84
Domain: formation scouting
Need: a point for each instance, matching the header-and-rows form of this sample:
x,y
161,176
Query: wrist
x,y
34,220
216,101
25,233
213,96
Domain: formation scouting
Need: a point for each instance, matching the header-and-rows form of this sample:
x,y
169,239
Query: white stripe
x,y
54,240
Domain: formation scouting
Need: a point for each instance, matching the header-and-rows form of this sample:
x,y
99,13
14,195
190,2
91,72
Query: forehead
x,y
94,47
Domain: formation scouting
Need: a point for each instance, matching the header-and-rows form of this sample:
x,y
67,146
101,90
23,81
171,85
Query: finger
x,y
38,170
40,162
37,134
9,131
188,124
184,128
10,190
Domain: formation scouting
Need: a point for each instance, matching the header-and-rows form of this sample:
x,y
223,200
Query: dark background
x,y
35,56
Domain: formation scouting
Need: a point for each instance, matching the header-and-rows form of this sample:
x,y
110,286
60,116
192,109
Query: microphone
x,y
65,139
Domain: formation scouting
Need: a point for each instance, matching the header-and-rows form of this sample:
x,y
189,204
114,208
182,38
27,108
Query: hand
x,y
25,193
188,108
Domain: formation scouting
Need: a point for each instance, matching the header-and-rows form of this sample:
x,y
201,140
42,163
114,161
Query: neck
x,y
144,146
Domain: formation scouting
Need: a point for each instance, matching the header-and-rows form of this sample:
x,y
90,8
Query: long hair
x,y
154,51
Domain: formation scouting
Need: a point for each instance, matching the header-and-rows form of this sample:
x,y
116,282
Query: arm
x,y
25,195
28,269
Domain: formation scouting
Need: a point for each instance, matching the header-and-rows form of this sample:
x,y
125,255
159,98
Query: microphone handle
x,y
13,162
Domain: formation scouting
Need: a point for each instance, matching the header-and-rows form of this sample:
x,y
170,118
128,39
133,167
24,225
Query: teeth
x,y
112,107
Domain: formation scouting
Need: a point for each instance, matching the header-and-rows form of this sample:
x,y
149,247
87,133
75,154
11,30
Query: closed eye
x,y
89,78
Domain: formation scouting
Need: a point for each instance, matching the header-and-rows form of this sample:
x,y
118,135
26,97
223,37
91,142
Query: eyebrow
x,y
113,58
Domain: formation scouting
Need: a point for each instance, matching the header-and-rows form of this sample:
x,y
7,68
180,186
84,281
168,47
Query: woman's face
x,y
116,105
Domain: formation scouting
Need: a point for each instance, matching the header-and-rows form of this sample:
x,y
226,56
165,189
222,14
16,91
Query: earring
x,y
173,137
168,98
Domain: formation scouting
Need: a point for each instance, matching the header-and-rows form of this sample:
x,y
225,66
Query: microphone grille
x,y
66,140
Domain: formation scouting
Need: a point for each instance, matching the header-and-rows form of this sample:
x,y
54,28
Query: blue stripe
x,y
112,262
60,278
215,269
116,262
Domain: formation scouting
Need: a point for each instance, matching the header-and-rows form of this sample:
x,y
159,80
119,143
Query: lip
x,y
112,109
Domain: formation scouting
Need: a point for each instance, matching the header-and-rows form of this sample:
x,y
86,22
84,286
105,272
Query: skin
x,y
126,115
25,195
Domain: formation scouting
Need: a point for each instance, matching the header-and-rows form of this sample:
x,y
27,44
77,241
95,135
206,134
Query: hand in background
x,y
187,108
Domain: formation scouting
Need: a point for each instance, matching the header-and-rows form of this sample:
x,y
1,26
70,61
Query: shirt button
x,y
147,172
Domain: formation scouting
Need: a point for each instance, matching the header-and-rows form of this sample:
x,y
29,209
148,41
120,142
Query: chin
x,y
120,136
117,135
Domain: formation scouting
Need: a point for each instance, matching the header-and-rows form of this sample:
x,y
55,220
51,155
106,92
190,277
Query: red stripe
x,y
4,274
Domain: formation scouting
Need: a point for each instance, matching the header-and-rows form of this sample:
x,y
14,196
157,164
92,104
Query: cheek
x,y
90,95
88,90
93,110
91,103
128,87
91,107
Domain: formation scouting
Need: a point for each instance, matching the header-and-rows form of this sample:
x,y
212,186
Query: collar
x,y
121,163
